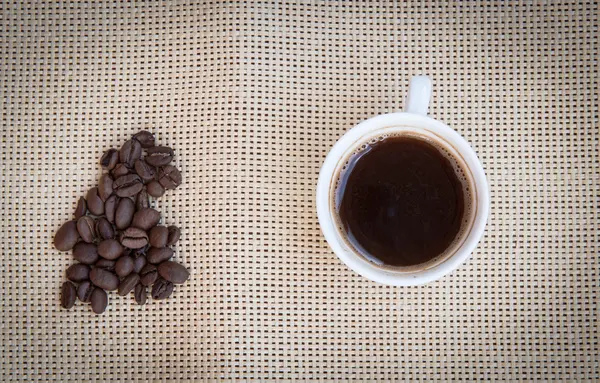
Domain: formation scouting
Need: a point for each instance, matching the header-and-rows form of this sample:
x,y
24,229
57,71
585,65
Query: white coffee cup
x,y
413,121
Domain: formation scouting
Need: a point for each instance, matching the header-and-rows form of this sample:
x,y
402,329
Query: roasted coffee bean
x,y
139,263
174,234
124,213
124,266
109,159
104,229
94,202
99,301
106,264
78,272
105,187
159,254
110,249
169,177
140,294
84,291
86,226
85,253
159,155
110,207
142,200
66,237
155,189
81,208
145,171
146,218
104,279
145,138
119,171
162,289
130,152
159,235
128,186
68,295
148,275
128,284
173,272
134,238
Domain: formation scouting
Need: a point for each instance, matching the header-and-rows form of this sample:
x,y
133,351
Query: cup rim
x,y
349,256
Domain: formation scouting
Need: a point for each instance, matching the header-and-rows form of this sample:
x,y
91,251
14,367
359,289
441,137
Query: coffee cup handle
x,y
419,94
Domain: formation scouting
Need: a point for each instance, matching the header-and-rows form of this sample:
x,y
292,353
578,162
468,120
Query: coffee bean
x,y
85,253
66,237
146,218
105,187
124,266
104,229
68,295
145,138
128,284
158,236
155,189
159,155
110,249
140,294
159,254
124,213
169,177
148,275
99,301
81,208
142,200
94,202
105,264
162,289
119,171
174,235
78,272
130,152
173,272
139,263
110,207
109,159
86,226
84,291
104,279
134,238
128,186
145,171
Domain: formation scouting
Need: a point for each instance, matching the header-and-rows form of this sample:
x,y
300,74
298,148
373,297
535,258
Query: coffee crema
x,y
402,200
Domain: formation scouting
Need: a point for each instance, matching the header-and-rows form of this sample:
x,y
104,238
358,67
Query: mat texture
x,y
252,95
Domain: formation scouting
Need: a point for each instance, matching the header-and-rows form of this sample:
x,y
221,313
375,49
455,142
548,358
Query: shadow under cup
x,y
446,149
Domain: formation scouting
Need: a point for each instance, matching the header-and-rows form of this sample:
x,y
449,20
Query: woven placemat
x,y
252,95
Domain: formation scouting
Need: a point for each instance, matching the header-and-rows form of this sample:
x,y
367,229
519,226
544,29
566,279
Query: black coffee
x,y
400,201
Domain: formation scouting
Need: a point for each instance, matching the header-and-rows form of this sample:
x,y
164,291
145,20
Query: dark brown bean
x,y
134,238
105,187
145,219
104,229
140,294
139,263
130,152
104,279
169,177
128,186
155,189
159,254
84,291
124,213
159,155
145,171
142,200
78,272
162,289
68,295
94,202
99,301
119,171
66,237
148,275
145,138
106,264
158,236
85,253
110,207
124,266
86,226
128,284
109,159
173,272
81,208
174,235
110,249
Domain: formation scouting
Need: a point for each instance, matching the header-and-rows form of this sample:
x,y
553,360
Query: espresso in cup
x,y
404,201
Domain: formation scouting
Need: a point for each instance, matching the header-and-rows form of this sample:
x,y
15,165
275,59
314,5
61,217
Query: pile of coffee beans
x,y
116,237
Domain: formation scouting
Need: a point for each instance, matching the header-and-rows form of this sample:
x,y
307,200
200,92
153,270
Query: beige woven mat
x,y
252,95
